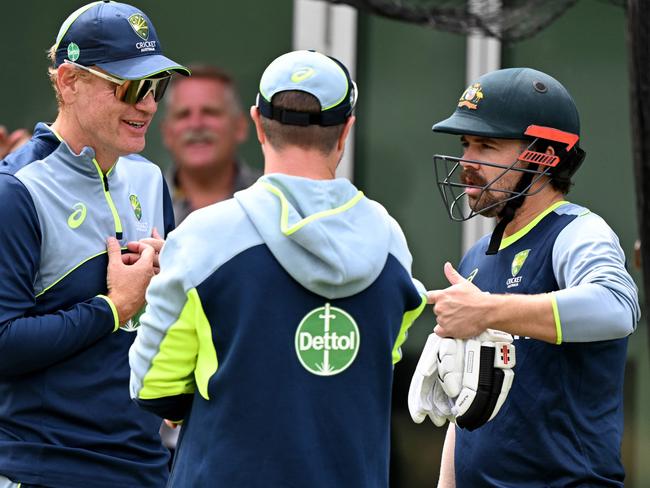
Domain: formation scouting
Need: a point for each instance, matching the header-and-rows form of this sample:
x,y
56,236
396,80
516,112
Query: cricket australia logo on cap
x,y
471,97
327,341
517,264
140,26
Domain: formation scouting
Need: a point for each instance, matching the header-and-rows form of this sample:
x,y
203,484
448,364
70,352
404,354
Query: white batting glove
x,y
447,384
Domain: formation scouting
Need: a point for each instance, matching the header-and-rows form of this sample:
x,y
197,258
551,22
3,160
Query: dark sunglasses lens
x,y
128,92
160,88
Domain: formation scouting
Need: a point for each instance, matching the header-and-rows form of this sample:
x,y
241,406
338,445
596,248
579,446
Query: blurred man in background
x,y
204,126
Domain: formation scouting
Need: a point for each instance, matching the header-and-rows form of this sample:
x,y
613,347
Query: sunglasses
x,y
132,91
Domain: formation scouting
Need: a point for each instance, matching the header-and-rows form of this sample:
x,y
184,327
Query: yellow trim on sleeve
x,y
115,315
186,356
556,316
206,360
407,321
506,241
284,216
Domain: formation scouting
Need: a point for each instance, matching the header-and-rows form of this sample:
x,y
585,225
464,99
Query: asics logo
x,y
302,74
78,216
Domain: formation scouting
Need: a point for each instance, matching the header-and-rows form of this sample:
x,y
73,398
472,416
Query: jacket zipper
x,y
109,200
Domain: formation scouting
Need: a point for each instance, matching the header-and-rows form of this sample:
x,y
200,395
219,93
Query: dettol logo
x,y
327,341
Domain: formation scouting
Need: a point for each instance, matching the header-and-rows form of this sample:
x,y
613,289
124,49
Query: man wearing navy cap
x,y
72,199
557,282
276,319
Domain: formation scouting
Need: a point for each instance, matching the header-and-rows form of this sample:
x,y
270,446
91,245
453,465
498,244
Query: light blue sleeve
x,y
598,299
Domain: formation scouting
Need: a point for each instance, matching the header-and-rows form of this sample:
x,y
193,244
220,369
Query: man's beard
x,y
488,203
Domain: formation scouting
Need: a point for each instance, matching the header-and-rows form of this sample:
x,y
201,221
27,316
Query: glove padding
x,y
463,381
426,395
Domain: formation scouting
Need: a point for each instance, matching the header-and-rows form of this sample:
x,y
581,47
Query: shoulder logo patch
x,y
327,341
78,216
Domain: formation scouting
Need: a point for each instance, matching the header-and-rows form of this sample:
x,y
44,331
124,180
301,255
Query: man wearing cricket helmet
x,y
552,274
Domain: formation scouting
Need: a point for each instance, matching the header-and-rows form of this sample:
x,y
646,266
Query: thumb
x,y
432,297
452,275
113,250
155,234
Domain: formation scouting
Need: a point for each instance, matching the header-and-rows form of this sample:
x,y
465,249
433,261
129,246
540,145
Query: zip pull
x,y
105,180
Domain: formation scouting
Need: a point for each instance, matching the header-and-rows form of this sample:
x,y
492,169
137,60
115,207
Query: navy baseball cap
x,y
324,77
116,37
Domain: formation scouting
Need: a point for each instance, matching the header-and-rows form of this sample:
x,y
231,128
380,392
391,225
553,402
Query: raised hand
x,y
135,249
127,283
460,308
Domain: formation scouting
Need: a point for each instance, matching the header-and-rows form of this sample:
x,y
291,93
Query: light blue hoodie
x,y
285,306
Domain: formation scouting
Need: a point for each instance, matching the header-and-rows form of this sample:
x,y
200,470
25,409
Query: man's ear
x,y
67,81
344,133
257,120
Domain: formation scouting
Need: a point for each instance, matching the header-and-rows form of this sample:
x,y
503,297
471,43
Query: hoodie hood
x,y
325,233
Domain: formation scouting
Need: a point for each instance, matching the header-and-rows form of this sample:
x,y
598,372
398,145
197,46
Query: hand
x,y
127,283
11,142
171,424
460,309
463,381
136,247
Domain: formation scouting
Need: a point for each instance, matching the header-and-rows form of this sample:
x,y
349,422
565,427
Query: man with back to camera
x,y
275,322
66,301
557,281
203,127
